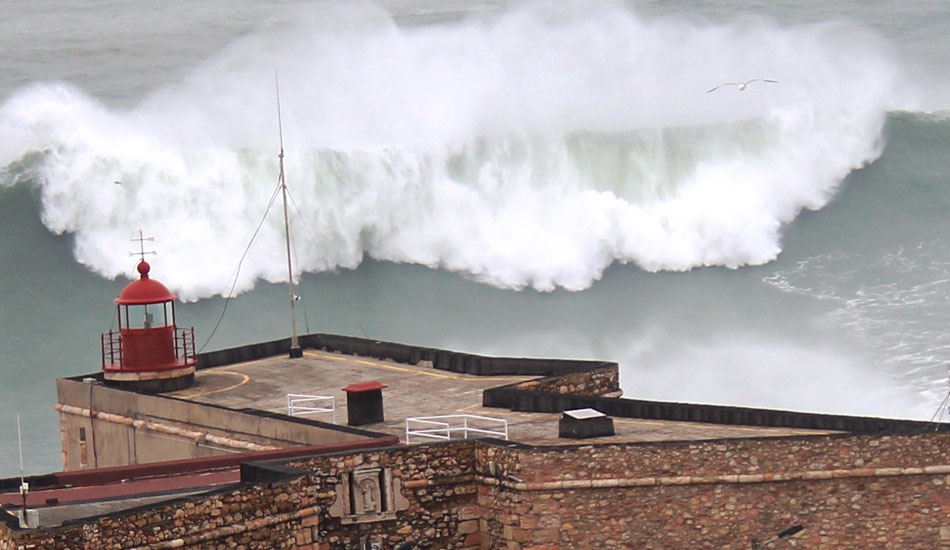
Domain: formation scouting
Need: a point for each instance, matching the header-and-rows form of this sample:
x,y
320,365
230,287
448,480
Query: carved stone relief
x,y
367,495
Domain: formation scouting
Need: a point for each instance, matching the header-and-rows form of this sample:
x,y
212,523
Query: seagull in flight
x,y
741,85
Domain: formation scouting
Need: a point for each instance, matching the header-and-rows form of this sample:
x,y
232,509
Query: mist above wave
x,y
533,147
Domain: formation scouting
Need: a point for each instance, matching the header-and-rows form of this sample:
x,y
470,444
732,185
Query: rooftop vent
x,y
584,423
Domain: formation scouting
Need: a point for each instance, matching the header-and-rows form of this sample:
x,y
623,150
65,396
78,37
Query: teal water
x,y
496,178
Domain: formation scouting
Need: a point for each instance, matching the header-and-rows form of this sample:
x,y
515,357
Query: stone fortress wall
x,y
849,491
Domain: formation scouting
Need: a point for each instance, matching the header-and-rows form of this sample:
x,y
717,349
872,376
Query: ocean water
x,y
530,178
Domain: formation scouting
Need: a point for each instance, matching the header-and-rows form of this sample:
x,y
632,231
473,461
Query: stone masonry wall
x,y
763,456
297,514
848,492
897,512
264,516
444,514
594,382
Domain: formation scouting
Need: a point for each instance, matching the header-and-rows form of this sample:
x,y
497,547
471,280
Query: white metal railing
x,y
299,404
442,427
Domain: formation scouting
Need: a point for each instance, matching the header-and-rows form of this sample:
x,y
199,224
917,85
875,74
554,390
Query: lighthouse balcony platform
x,y
137,350
153,359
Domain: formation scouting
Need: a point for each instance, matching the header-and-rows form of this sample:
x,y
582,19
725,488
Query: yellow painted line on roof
x,y
244,380
638,421
531,415
415,370
325,356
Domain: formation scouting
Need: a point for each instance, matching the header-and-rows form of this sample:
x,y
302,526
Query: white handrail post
x,y
299,403
444,427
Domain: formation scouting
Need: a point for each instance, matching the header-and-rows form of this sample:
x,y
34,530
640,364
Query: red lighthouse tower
x,y
148,352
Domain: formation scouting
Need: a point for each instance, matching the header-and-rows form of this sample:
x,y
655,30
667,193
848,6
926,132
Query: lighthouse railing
x,y
185,345
111,348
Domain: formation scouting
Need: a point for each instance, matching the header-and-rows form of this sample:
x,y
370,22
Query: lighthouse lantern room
x,y
148,352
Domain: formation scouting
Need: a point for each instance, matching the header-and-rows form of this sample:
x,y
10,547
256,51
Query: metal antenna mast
x,y
295,350
24,486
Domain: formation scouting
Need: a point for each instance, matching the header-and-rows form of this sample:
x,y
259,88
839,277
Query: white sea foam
x,y
530,148
784,375
894,303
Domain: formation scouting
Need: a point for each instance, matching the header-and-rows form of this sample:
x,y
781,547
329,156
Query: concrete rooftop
x,y
418,391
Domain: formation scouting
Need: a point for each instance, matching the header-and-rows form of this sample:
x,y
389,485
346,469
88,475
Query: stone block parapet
x,y
598,381
885,455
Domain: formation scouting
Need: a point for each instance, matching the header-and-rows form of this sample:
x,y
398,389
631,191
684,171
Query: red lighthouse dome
x,y
145,290
148,352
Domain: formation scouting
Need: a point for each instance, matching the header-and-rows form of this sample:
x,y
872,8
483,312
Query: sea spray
x,y
533,147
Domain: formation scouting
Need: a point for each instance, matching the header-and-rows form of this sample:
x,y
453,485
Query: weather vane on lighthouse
x,y
142,252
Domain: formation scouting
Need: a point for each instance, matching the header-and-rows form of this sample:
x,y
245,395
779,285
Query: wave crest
x,y
533,147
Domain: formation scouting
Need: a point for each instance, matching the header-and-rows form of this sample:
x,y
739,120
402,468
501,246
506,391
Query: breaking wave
x,y
533,147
